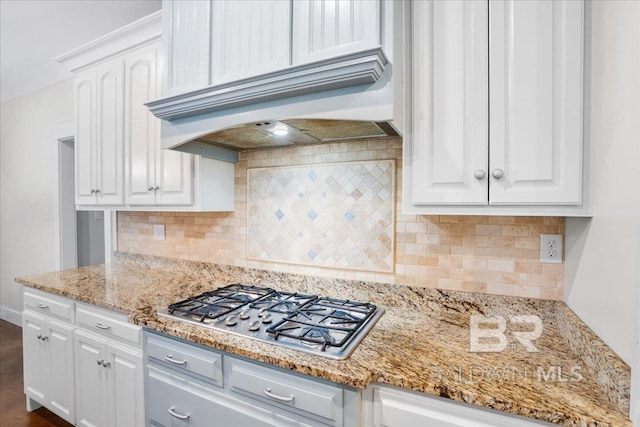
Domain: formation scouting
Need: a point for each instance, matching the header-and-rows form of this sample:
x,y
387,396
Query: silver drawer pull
x,y
101,326
271,395
173,413
169,358
42,306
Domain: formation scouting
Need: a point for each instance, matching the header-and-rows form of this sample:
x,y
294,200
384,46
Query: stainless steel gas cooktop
x,y
324,326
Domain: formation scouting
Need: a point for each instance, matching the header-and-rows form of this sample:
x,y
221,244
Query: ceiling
x,y
33,32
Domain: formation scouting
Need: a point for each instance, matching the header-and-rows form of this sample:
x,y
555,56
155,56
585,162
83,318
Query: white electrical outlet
x,y
158,231
551,248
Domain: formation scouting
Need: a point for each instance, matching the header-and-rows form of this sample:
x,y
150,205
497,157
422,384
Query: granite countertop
x,y
421,343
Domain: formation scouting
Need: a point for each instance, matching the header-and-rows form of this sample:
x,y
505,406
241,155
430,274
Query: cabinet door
x,y
84,144
450,103
535,66
323,29
125,386
59,367
250,38
186,39
174,175
91,380
33,328
141,127
110,133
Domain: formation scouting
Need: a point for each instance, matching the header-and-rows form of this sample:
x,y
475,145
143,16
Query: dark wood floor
x,y
12,399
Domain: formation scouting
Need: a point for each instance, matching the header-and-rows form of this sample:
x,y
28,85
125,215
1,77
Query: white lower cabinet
x,y
48,364
109,374
391,407
47,343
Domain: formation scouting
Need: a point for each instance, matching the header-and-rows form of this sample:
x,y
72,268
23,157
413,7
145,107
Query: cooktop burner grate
x,y
324,326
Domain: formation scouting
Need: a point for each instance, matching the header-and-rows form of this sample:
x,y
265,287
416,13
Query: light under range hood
x,y
281,133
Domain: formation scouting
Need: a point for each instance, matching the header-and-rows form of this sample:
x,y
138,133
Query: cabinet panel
x,y
84,146
186,26
450,105
33,327
59,366
174,175
328,28
141,127
536,101
110,115
91,380
250,37
125,387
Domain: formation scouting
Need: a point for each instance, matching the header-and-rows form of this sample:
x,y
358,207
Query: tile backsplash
x,y
336,215
487,254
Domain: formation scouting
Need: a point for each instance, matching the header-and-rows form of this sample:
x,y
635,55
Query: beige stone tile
x,y
515,230
488,230
500,265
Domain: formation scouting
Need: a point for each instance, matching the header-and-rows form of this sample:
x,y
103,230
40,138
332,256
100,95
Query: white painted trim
x,y
60,132
110,234
11,315
139,33
45,75
354,69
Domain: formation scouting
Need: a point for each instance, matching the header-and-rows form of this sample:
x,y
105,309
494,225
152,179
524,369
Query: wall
x,y
602,253
27,187
90,240
498,255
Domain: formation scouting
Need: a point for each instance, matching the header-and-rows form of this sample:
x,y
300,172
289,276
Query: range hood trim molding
x,y
364,67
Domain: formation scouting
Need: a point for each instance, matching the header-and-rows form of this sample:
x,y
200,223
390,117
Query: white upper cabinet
x,y
328,28
450,102
536,101
250,38
215,42
119,160
186,33
496,112
99,135
154,176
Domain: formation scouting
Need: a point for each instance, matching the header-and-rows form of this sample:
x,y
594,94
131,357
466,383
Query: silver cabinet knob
x,y
157,188
105,364
93,191
150,188
100,361
39,336
480,174
497,173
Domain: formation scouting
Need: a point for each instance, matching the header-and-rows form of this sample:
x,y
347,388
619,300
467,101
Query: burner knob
x,y
231,320
266,318
244,315
254,326
262,311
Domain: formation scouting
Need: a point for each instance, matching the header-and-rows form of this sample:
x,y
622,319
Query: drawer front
x,y
186,358
108,323
175,402
46,303
307,397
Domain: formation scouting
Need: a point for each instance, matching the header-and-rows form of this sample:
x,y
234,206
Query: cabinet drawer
x,y
46,303
308,397
175,402
107,323
186,358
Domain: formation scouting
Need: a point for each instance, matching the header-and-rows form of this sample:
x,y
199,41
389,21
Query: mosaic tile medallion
x,y
338,215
